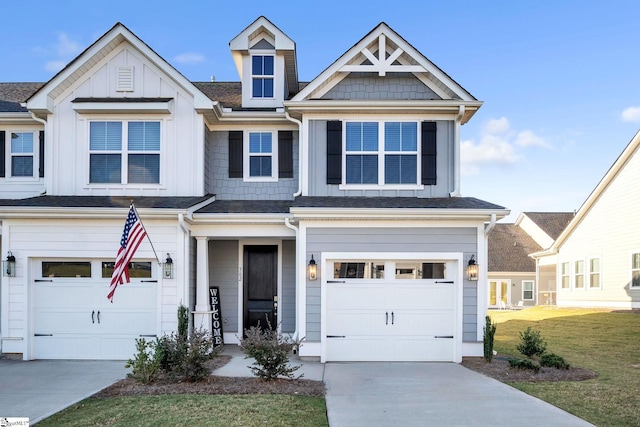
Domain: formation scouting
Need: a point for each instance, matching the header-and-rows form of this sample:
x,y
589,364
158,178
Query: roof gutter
x,y
456,152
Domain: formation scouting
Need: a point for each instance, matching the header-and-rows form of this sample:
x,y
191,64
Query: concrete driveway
x,y
430,394
37,389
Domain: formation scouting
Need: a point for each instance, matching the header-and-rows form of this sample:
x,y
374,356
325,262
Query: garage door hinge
x,y
335,281
42,335
336,336
444,336
149,336
444,281
148,281
43,280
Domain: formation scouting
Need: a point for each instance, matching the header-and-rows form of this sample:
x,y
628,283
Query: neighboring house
x,y
245,186
514,277
598,254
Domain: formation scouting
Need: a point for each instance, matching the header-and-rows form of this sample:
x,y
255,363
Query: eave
x,y
11,212
16,119
397,214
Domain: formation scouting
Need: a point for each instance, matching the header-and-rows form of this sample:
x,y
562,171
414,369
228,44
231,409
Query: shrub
x,y
489,333
271,351
524,364
531,343
183,321
552,360
145,364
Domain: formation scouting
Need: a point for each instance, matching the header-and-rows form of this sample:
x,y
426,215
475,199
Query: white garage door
x,y
74,320
407,315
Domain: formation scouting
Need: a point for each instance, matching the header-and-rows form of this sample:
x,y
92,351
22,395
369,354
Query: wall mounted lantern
x,y
9,265
472,269
168,267
313,269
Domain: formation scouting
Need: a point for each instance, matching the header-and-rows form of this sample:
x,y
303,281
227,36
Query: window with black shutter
x,y
2,153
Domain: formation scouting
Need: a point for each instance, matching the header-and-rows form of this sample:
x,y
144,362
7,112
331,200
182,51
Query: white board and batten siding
x,y
59,310
609,231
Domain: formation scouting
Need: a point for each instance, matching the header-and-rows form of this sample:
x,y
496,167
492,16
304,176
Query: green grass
x,y
604,341
194,410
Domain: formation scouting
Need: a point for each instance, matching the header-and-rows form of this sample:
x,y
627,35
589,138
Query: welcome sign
x,y
216,316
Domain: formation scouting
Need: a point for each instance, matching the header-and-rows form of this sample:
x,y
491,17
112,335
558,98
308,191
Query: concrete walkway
x,y
40,388
358,394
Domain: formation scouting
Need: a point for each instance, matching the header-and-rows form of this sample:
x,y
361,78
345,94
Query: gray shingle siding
x,y
403,86
223,272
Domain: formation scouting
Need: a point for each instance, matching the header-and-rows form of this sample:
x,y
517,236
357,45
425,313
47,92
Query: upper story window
x,y
262,72
22,153
260,154
381,153
124,152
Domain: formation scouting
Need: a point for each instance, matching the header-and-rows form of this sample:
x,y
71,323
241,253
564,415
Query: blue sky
x,y
560,80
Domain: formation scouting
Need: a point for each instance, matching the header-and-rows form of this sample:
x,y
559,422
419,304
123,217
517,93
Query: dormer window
x,y
262,67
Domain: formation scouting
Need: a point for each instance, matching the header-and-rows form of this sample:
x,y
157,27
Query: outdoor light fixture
x,y
168,267
9,265
472,269
313,269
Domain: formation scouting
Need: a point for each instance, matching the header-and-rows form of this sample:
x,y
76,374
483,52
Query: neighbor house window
x,y
261,155
262,67
380,153
635,270
579,275
132,147
22,146
594,273
564,275
527,290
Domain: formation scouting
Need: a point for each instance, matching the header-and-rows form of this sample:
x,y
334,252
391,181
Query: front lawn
x,y
604,341
194,410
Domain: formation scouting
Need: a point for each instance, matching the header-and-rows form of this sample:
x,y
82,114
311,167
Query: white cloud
x,y
631,114
55,66
527,138
497,144
65,47
63,50
189,58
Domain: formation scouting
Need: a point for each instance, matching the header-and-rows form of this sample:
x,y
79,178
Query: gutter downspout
x,y
491,224
299,123
456,152
288,224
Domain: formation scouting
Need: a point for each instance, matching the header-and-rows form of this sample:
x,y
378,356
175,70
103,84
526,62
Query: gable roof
x,y
552,223
41,100
370,55
630,150
509,247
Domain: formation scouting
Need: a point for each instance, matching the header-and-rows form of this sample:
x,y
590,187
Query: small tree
x,y
145,366
489,333
531,343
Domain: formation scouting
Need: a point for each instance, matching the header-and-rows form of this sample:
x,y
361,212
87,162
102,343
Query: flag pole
x,y
145,231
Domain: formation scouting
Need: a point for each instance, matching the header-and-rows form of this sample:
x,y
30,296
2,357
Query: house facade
x,y
331,208
598,255
515,277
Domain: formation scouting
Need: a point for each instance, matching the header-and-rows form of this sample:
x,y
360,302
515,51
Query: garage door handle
x,y
386,319
93,313
392,318
98,316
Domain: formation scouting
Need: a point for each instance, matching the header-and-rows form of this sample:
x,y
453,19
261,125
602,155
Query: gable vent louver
x,y
125,79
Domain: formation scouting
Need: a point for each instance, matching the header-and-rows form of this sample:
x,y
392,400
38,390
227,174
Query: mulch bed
x,y
216,385
500,370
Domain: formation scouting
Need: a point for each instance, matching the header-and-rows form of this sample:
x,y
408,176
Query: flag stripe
x,y
132,236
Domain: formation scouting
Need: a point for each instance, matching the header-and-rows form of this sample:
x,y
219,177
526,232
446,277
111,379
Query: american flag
x,y
132,236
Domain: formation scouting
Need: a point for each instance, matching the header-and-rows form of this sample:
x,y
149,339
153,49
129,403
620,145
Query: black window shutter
x,y
285,154
429,153
41,160
2,153
334,152
235,154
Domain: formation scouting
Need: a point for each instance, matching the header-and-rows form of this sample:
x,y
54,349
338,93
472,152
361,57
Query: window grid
x,y
381,153
132,147
527,290
262,72
594,273
260,154
22,149
579,275
564,275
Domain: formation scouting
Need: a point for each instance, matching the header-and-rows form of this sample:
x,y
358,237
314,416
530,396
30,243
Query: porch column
x,y
202,314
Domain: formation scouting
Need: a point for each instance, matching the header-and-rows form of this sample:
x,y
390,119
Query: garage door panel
x,y
412,348
361,349
356,297
419,297
343,322
116,321
63,296
67,321
425,323
132,296
58,347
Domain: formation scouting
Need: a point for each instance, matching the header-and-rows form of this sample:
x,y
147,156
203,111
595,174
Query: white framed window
x,y
635,270
124,152
527,290
262,74
594,273
393,270
381,153
261,158
578,274
22,150
564,275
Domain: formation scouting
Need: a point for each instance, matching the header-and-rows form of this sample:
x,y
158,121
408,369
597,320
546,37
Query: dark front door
x,y
260,286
